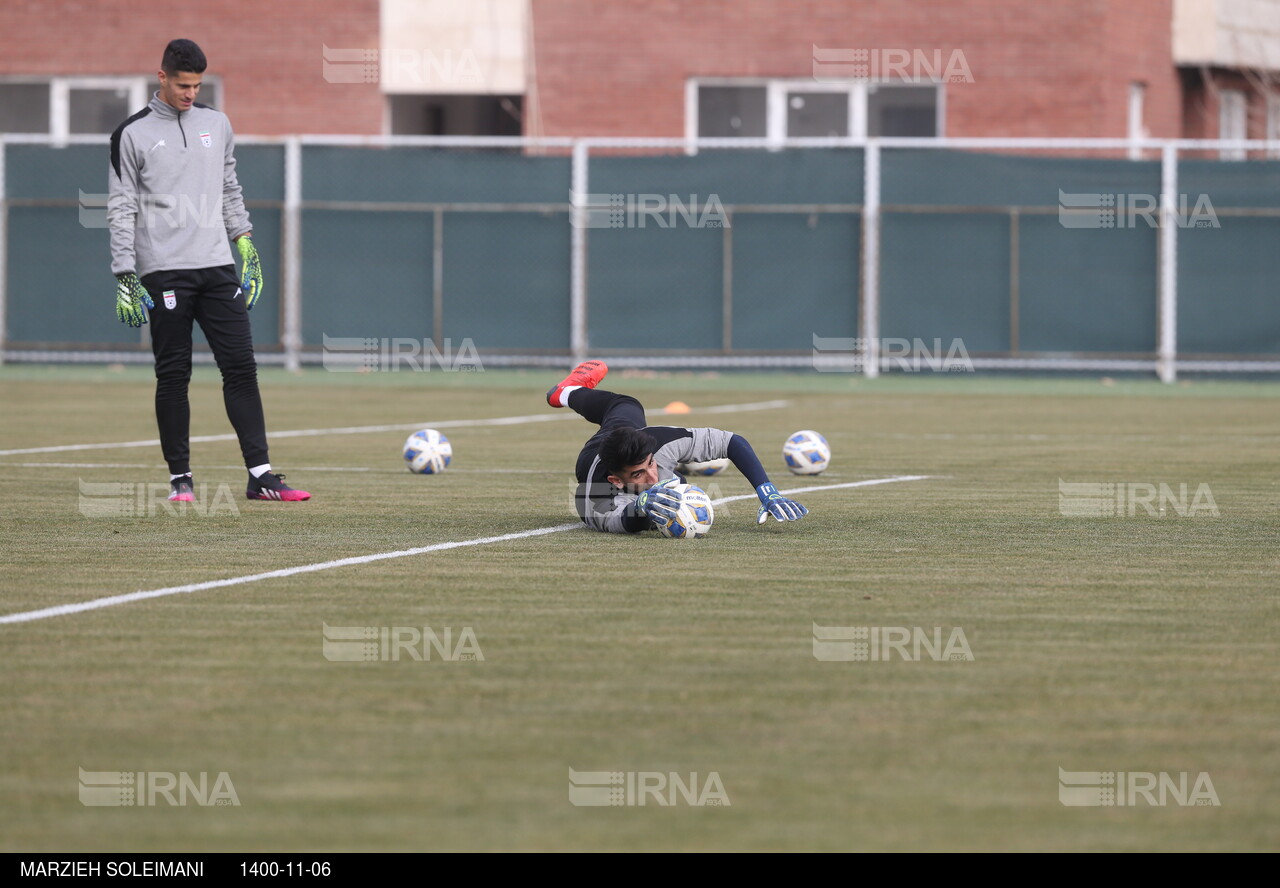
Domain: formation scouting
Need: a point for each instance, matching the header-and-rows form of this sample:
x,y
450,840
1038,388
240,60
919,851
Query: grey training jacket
x,y
601,506
174,198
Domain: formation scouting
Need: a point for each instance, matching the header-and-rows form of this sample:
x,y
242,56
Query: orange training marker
x,y
678,407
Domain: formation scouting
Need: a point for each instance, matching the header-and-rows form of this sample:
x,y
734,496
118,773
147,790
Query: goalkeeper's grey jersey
x,y
174,198
601,506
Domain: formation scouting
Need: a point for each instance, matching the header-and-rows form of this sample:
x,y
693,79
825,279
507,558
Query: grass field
x,y
1135,644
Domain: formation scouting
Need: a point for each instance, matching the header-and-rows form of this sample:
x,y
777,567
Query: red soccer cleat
x,y
588,374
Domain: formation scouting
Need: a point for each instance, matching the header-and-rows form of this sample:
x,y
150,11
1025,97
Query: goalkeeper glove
x,y
130,297
777,505
251,275
660,503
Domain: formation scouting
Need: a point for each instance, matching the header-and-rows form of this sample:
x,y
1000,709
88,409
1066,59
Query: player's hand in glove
x,y
777,505
660,503
130,297
251,270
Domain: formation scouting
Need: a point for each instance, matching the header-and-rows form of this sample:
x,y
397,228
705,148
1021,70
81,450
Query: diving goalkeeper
x,y
624,468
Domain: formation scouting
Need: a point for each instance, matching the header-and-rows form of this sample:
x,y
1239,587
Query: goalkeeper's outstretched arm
x,y
772,503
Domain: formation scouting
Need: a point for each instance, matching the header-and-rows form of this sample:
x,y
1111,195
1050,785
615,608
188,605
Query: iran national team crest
x,y
170,299
206,139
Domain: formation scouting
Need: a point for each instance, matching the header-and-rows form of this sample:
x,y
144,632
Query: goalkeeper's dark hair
x,y
183,55
626,447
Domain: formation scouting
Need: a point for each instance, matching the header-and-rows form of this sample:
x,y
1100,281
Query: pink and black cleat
x,y
182,490
272,487
588,374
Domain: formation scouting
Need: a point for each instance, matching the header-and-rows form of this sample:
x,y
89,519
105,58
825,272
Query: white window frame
x,y
60,97
778,89
1273,124
20,80
1233,121
940,106
1137,127
140,88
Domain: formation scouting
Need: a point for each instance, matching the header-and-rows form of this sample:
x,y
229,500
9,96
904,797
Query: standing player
x,y
174,201
620,467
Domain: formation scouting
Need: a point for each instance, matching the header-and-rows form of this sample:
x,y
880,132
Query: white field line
x,y
160,466
63,610
799,490
399,427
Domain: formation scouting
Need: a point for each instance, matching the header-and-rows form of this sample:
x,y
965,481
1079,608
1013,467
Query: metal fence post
x,y
1167,363
4,254
437,279
578,253
291,335
871,261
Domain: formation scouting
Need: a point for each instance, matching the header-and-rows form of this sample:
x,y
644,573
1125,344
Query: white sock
x,y
176,477
564,394
259,471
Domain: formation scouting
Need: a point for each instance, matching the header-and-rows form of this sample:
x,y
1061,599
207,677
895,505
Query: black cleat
x,y
272,487
182,490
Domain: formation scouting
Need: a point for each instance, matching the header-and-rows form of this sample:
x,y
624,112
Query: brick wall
x,y
620,68
267,54
1039,69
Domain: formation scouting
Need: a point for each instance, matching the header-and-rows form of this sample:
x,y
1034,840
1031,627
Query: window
x,y
455,115
97,110
1232,122
906,111
24,107
729,111
89,105
817,114
63,106
1137,129
780,109
1273,124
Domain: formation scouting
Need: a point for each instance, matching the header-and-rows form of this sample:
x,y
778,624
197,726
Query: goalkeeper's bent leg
x,y
607,409
611,411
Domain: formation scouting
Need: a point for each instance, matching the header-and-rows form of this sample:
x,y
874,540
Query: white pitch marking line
x,y
400,427
63,610
159,465
869,483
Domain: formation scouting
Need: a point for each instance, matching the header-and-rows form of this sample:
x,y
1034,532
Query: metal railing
x,y
1165,362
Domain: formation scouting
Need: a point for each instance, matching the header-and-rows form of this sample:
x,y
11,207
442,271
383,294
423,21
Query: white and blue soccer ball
x,y
708,467
427,452
806,452
693,518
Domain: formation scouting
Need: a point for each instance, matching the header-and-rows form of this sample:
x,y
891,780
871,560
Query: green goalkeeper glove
x,y
130,297
251,275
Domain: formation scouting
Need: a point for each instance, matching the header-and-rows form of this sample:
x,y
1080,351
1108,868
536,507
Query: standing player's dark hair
x,y
626,447
183,55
